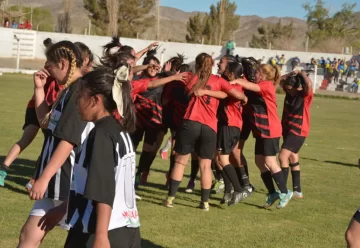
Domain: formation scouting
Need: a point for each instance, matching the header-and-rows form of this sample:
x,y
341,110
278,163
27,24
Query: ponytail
x,y
271,73
64,50
203,70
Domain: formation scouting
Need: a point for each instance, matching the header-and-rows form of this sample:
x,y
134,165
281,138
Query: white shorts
x,y
41,207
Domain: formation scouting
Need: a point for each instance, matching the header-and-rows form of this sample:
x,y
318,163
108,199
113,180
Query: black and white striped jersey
x,y
105,173
64,124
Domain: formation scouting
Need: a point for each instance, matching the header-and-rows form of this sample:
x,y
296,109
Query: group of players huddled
x,y
93,118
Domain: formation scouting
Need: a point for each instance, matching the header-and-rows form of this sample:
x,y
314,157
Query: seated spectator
x,y
14,25
355,85
295,62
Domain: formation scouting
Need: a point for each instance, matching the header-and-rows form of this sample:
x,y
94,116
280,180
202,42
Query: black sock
x,y
246,169
205,194
242,176
267,179
230,172
194,169
227,183
279,180
173,187
296,180
286,174
244,162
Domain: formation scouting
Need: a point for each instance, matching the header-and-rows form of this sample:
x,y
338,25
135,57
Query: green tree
x,y
195,28
132,16
274,34
41,18
216,26
342,27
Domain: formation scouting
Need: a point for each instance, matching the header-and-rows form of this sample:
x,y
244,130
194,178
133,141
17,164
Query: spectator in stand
x,y
22,25
230,47
352,67
355,85
295,62
14,25
281,61
335,71
6,23
28,25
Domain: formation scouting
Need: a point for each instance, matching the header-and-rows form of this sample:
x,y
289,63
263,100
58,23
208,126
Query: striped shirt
x,y
64,124
105,173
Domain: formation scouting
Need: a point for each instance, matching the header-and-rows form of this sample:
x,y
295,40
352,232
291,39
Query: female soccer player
x,y
148,109
198,130
266,127
64,132
106,214
295,124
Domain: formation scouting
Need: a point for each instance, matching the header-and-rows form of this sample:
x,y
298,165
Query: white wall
x,y
32,47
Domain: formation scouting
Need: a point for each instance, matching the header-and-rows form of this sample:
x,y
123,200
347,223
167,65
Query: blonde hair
x,y
270,73
63,52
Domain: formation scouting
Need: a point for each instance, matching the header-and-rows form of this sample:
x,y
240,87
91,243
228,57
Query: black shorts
x,y
122,237
246,128
227,139
150,135
193,136
267,147
356,216
293,142
30,118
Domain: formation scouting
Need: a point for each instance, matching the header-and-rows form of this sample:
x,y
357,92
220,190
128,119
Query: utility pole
x,y
158,19
307,44
31,15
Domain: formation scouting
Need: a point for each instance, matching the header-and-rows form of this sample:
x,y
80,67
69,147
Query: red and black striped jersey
x,y
265,120
296,114
148,107
230,111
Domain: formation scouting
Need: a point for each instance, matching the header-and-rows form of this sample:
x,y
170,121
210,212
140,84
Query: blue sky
x,y
263,8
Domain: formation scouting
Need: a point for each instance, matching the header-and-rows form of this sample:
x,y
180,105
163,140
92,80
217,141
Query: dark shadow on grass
x,y
21,161
331,162
16,190
148,244
257,206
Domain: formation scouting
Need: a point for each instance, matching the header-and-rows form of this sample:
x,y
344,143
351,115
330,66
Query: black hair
x,y
294,81
100,82
185,68
115,42
236,68
115,60
250,66
85,51
47,42
64,50
176,62
150,55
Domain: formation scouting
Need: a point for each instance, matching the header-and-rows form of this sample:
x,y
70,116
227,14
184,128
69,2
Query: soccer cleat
x,y
217,187
204,206
169,202
284,199
226,199
29,185
298,195
3,175
252,188
249,190
238,197
190,187
144,177
271,199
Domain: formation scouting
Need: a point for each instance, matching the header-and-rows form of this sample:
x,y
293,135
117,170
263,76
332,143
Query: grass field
x,y
330,178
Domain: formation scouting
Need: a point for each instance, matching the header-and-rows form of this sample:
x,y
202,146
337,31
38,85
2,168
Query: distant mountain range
x,y
173,22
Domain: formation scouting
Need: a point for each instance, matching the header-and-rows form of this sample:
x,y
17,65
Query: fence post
x,y
315,79
18,53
